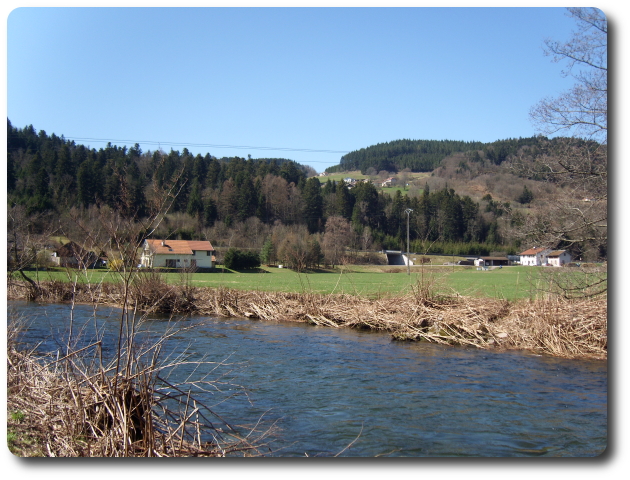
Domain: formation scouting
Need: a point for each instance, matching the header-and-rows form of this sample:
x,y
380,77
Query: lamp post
x,y
408,211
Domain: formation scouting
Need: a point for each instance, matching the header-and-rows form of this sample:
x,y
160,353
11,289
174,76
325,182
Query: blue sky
x,y
313,83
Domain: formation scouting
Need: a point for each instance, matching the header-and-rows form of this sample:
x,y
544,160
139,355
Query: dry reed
x,y
76,406
556,326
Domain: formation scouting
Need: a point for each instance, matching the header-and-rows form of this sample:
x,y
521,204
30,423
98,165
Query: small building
x,y
396,257
536,256
73,255
558,258
466,262
181,254
491,261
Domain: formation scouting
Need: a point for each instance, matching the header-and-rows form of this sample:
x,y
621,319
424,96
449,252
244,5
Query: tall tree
x,y
580,164
313,205
344,201
338,234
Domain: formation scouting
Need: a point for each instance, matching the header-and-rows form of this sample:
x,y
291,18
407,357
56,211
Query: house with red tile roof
x,y
177,254
535,256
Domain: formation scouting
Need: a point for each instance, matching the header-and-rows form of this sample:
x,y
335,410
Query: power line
x,y
207,145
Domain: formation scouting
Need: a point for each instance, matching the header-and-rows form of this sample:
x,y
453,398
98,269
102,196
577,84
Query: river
x,y
328,389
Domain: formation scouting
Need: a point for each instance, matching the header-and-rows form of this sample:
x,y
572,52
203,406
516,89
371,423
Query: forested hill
x,y
48,172
423,155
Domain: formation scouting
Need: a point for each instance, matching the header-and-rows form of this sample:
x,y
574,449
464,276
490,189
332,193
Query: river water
x,y
328,389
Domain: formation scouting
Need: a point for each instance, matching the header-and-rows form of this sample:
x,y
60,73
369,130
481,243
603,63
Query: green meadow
x,y
371,281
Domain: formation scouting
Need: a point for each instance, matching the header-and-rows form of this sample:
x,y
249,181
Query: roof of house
x,y
534,251
180,247
72,249
556,253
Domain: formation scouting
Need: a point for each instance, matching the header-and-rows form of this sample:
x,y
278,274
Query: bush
x,y
236,259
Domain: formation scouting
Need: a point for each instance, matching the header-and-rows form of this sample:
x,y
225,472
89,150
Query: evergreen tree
x,y
526,197
314,254
195,206
267,254
86,184
344,201
313,205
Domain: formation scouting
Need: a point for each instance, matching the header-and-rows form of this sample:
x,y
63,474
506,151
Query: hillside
x,y
473,201
427,155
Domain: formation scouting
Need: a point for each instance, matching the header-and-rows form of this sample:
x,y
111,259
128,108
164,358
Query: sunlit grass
x,y
372,281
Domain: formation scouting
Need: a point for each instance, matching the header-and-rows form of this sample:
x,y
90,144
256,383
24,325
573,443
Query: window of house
x,y
171,264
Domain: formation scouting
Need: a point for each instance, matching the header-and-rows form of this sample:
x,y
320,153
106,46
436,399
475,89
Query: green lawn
x,y
372,281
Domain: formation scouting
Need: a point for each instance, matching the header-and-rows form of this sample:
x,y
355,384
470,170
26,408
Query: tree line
x,y
427,155
47,173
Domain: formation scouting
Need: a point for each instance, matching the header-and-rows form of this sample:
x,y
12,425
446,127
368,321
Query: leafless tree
x,y
582,110
338,234
576,215
578,165
24,247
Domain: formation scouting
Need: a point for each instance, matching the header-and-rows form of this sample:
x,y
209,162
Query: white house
x,y
388,182
535,256
177,254
557,258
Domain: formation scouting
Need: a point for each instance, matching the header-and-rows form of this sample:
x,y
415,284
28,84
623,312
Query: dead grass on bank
x,y
556,326
75,406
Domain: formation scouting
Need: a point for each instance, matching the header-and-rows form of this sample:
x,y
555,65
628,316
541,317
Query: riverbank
x,y
575,328
74,402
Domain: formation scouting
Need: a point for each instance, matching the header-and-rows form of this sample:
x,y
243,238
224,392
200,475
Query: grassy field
x,y
372,281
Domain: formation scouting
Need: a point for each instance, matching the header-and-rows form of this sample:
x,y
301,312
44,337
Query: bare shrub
x,y
78,406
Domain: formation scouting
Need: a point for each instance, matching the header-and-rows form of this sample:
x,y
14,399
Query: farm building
x,y
177,254
558,258
535,256
492,261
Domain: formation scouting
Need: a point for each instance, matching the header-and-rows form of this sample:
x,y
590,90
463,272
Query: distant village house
x,y
558,258
535,256
74,256
538,256
182,254
388,182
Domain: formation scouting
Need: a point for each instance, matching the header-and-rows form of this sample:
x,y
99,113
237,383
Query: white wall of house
x,y
563,259
535,260
201,260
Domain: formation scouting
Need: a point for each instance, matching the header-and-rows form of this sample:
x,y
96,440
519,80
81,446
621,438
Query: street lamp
x,y
408,211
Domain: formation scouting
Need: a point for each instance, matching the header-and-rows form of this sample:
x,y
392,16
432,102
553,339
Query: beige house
x,y
558,258
177,254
